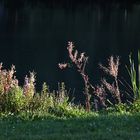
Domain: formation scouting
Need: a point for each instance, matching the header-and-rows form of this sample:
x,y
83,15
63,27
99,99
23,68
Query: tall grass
x,y
28,103
139,72
96,92
112,70
134,73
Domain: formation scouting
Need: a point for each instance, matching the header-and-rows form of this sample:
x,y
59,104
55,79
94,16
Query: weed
x,y
134,73
80,61
112,70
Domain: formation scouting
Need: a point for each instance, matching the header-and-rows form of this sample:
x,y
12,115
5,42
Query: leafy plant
x,y
135,107
10,92
134,73
14,100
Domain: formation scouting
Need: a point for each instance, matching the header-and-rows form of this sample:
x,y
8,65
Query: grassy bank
x,y
30,115
98,127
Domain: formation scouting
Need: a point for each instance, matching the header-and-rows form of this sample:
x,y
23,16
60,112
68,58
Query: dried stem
x,y
80,62
112,70
101,94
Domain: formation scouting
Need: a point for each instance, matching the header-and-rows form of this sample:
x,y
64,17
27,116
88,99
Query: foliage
x,y
11,98
134,73
135,106
14,101
26,103
119,108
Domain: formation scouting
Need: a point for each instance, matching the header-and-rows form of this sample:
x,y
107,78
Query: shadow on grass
x,y
102,127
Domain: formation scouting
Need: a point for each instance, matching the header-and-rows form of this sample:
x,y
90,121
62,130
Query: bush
x,y
14,100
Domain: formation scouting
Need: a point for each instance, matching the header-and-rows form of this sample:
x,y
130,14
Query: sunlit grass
x,y
50,115
98,127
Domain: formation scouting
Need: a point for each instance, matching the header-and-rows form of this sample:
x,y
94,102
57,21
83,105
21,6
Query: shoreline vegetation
x,y
106,114
106,96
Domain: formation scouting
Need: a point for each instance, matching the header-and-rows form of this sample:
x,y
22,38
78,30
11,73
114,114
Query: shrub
x,y
14,100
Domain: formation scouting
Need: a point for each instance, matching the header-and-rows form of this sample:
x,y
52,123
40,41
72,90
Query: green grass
x,y
27,115
134,73
99,127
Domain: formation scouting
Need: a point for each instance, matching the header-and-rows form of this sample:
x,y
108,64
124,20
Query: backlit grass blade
x,y
139,73
133,76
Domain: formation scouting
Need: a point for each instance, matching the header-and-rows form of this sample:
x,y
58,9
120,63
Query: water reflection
x,y
34,37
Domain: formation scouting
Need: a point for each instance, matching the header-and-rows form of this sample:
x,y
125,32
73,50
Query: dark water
x,y
35,36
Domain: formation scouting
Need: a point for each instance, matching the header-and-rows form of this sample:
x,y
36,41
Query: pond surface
x,y
34,37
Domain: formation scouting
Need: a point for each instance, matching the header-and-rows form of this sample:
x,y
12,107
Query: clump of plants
x,y
134,73
10,92
100,92
28,103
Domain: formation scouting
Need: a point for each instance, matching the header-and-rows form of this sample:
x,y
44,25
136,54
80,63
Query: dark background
x,y
34,36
